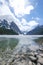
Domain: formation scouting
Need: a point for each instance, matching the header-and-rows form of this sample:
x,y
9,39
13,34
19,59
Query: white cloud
x,y
33,23
20,7
4,10
3,1
27,26
37,18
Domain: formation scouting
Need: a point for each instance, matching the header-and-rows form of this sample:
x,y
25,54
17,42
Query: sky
x,y
27,14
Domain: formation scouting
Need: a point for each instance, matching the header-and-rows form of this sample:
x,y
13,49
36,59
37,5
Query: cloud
x,y
2,2
20,8
27,26
37,18
33,23
4,9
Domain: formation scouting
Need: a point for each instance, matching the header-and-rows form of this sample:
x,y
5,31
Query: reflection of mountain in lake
x,y
26,44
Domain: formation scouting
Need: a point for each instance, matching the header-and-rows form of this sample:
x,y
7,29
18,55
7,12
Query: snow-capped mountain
x,y
36,31
14,27
8,23
4,23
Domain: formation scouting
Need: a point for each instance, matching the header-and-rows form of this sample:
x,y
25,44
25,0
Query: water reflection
x,y
20,43
26,43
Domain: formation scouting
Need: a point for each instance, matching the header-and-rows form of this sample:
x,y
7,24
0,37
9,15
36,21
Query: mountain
x,y
37,31
5,28
8,22
4,31
14,27
4,23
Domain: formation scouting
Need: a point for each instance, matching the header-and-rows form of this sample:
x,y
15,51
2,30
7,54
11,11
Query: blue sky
x,y
27,14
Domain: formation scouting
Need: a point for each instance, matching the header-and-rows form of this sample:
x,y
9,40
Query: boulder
x,y
40,60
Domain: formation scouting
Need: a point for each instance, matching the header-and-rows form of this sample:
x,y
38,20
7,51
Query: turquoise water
x,y
7,43
19,42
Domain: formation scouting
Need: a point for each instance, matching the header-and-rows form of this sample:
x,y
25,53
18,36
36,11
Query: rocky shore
x,y
30,58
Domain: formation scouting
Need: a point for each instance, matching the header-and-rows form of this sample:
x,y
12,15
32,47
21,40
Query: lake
x,y
20,42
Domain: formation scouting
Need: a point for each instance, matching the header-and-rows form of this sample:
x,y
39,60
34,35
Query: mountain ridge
x,y
4,26
36,31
